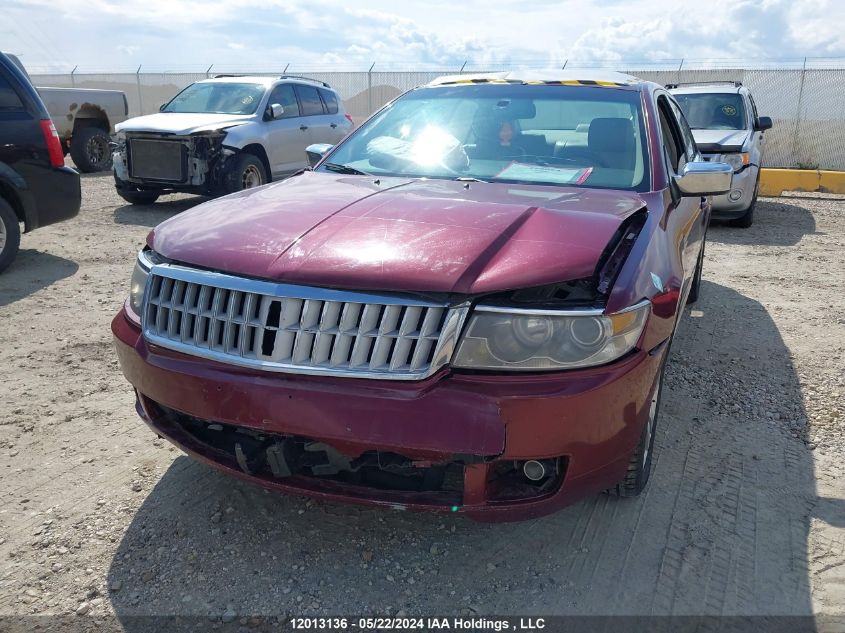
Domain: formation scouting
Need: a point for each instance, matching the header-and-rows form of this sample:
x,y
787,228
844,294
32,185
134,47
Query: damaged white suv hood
x,y
182,123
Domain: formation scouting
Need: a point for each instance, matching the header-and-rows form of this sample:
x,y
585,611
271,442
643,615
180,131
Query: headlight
x,y
532,340
737,161
138,284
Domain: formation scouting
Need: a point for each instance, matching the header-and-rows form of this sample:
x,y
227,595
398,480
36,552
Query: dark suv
x,y
36,188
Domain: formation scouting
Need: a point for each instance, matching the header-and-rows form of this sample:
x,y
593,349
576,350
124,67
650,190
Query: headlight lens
x,y
527,340
138,283
737,161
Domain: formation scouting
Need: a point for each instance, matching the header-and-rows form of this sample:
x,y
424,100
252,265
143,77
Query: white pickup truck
x,y
85,120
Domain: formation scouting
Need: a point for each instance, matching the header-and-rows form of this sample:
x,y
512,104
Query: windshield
x,y
543,134
713,111
217,98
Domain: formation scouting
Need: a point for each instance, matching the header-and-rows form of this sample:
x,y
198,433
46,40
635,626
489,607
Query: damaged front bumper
x,y
160,162
454,442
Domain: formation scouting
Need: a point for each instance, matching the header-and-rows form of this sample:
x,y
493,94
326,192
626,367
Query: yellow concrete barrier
x,y
773,182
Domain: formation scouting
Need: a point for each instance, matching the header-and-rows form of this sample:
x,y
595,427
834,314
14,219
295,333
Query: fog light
x,y
735,195
534,470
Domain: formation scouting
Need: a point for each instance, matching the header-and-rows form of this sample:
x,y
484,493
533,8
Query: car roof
x,y
264,80
725,88
552,76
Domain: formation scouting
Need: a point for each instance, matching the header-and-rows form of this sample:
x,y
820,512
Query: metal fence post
x,y
72,78
797,132
370,90
681,65
140,98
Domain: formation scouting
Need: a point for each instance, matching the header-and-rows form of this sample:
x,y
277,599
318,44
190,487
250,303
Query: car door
x,y
687,215
339,125
757,136
286,136
314,114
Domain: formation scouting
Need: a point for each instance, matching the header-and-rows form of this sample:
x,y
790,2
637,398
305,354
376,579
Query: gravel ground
x,y
745,513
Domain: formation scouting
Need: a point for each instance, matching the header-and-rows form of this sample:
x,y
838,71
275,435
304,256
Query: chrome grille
x,y
297,329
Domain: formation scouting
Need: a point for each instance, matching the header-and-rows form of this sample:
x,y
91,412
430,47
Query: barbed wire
x,y
785,63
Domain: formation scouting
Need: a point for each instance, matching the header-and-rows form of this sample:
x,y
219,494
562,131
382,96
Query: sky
x,y
172,35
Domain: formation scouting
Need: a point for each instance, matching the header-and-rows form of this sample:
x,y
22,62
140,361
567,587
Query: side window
x,y
754,117
309,99
9,99
284,95
673,147
686,133
330,99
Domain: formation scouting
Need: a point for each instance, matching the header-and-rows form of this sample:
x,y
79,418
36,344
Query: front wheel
x,y
746,220
639,466
136,196
10,235
246,172
89,149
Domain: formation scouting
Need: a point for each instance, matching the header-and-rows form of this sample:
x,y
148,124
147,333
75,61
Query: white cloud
x,y
270,33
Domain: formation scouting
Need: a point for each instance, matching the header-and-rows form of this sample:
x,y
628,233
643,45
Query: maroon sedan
x,y
466,306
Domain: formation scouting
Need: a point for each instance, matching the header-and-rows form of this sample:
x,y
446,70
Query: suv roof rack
x,y
735,84
316,81
227,75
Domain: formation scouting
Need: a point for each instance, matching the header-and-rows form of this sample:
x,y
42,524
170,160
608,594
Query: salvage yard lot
x,y
745,512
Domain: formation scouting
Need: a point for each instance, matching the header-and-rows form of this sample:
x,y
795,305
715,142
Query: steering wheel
x,y
583,157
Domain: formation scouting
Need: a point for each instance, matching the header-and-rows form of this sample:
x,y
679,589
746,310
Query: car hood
x,y
182,122
400,234
720,140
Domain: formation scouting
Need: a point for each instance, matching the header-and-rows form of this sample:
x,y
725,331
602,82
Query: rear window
x,y
309,99
330,99
9,99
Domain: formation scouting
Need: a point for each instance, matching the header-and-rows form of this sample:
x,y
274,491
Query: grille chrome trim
x,y
298,329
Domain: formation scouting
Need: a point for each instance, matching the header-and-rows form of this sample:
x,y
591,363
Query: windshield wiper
x,y
344,169
469,179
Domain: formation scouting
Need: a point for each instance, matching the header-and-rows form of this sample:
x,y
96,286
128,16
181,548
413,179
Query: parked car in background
x,y
36,189
466,306
84,120
727,128
226,134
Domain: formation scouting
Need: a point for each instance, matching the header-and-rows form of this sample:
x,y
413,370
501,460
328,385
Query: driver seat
x,y
613,141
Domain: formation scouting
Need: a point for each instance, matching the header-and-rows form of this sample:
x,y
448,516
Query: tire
x,y
745,221
135,196
10,235
90,151
695,288
639,466
245,172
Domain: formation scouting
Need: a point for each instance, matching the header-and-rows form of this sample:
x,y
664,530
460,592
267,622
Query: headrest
x,y
611,135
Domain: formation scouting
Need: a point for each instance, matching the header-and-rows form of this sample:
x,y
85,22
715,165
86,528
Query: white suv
x,y
727,129
226,134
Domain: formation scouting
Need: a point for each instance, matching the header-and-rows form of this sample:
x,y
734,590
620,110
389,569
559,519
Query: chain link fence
x,y
807,105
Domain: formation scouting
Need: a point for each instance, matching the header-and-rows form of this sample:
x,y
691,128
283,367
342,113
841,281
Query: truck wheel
x,y
10,235
247,171
136,196
639,467
89,148
745,221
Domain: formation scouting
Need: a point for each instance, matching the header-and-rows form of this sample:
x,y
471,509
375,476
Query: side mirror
x,y
316,152
704,179
276,111
763,123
